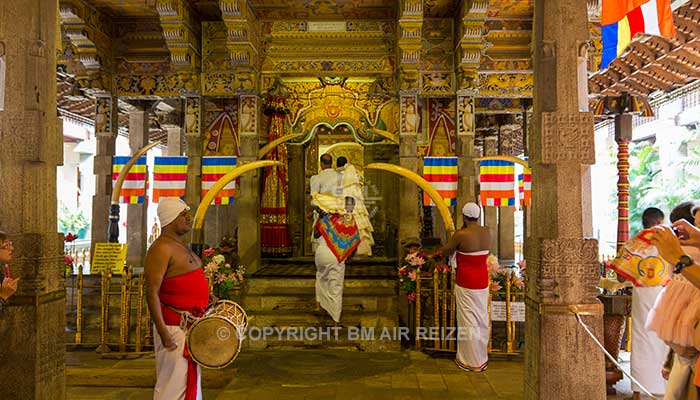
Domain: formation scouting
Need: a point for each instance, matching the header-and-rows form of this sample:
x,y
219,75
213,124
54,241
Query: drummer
x,y
177,290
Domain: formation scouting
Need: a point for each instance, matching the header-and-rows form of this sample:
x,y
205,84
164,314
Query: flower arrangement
x,y
499,275
413,263
69,248
225,276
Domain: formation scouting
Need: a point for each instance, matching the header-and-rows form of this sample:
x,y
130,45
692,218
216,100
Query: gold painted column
x,y
106,128
136,214
561,360
32,327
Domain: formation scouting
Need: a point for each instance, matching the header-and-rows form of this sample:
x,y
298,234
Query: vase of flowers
x,y
415,264
68,250
226,279
499,277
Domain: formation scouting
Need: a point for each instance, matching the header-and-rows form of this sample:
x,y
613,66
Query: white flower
x,y
219,259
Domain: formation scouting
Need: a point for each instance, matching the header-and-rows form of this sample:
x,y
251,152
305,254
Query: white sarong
x,y
648,351
473,328
330,276
171,368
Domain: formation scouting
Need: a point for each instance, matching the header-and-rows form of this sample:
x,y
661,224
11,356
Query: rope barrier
x,y
611,358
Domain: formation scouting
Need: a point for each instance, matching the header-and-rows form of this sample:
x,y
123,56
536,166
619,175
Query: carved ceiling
x,y
324,9
126,8
651,64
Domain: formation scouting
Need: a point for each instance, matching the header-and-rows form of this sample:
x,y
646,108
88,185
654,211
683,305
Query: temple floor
x,y
309,374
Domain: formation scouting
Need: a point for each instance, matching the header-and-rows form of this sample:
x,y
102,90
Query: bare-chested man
x,y
176,285
469,248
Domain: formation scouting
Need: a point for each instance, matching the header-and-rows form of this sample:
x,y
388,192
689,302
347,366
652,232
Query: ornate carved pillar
x,y
136,214
297,199
468,174
32,360
409,202
193,150
491,213
623,135
106,128
249,205
506,215
562,259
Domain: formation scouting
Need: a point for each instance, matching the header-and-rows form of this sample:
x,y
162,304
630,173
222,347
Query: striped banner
x,y
525,187
497,183
134,187
213,168
169,177
441,172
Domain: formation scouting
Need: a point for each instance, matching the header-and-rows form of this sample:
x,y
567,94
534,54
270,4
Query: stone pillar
x,y
297,198
193,150
506,215
491,213
249,205
106,128
468,173
561,360
409,203
174,141
32,328
136,214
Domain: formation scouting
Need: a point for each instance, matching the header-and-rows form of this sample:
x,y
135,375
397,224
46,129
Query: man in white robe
x,y
648,351
330,274
352,186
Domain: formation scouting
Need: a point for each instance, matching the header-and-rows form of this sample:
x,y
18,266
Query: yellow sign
x,y
108,257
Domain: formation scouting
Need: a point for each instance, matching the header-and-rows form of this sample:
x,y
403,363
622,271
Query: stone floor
x,y
308,374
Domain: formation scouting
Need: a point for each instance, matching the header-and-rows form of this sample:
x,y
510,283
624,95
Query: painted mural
x,y
440,134
221,127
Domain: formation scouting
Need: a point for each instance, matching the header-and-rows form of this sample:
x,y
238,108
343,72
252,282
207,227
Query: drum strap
x,y
186,318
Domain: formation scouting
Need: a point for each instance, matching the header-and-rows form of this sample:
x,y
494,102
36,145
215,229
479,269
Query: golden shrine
x,y
382,82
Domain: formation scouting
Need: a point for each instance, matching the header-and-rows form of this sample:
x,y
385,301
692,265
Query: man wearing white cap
x,y
469,248
175,287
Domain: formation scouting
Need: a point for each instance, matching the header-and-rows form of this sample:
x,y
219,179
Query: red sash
x,y
472,272
187,292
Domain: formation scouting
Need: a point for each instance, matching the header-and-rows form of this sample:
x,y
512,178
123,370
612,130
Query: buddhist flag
x,y
213,168
622,19
134,187
525,187
497,183
169,177
441,172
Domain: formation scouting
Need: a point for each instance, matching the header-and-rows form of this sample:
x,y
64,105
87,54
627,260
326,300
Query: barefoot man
x,y
469,248
176,289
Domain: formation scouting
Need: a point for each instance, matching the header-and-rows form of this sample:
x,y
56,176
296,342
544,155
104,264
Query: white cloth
x,y
648,351
171,368
326,181
330,277
170,208
352,186
473,327
678,379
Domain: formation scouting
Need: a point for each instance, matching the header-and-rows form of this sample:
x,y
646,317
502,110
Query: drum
x,y
214,340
